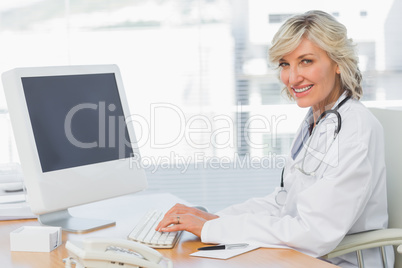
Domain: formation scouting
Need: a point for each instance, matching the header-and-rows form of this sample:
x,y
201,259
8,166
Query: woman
x,y
334,183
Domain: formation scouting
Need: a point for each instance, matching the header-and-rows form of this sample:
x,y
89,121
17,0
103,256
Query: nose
x,y
295,76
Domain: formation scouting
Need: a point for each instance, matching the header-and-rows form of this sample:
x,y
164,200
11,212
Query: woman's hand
x,y
181,217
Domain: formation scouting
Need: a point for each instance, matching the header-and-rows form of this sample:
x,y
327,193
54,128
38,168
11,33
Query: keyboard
x,y
144,232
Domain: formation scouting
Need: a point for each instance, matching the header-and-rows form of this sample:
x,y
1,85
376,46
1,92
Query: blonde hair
x,y
330,35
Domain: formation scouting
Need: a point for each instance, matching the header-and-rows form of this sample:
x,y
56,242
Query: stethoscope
x,y
281,196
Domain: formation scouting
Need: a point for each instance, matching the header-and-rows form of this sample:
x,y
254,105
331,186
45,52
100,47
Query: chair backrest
x,y
391,120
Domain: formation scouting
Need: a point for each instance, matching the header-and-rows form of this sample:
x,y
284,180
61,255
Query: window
x,y
278,18
183,66
269,93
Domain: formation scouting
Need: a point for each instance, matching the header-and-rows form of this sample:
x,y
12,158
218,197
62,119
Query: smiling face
x,y
311,77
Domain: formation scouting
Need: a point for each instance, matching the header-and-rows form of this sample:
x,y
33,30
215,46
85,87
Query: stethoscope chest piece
x,y
281,196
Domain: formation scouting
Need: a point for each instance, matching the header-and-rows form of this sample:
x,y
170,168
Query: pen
x,y
228,246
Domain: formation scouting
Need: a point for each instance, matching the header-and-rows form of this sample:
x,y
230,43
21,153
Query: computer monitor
x,y
75,143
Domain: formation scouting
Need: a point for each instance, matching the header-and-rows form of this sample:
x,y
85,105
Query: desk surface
x,y
133,207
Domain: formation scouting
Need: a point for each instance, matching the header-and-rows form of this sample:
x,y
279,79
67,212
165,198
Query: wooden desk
x,y
131,208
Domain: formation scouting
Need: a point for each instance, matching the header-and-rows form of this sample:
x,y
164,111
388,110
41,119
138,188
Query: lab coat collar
x,y
341,109
303,132
341,98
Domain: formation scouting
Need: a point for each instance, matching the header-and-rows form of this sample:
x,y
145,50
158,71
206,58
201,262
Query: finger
x,y
177,223
176,207
168,220
162,224
173,228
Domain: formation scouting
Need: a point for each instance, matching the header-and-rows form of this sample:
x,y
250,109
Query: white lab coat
x,y
347,195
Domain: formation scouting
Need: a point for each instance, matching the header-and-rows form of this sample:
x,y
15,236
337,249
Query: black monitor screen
x,y
76,120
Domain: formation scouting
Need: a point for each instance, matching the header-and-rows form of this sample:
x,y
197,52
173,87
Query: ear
x,y
338,71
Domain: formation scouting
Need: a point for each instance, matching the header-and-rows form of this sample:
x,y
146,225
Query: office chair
x,y
390,120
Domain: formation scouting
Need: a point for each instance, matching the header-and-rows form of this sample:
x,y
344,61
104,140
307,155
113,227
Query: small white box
x,y
35,238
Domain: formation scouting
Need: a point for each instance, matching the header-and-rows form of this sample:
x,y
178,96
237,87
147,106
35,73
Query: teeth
x,y
299,90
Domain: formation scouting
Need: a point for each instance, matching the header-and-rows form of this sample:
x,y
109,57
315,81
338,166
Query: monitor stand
x,y
69,223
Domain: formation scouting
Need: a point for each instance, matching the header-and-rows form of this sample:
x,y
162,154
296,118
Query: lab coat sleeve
x,y
254,205
325,211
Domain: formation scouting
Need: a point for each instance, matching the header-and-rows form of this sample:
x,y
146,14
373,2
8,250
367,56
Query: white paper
x,y
223,253
12,198
15,211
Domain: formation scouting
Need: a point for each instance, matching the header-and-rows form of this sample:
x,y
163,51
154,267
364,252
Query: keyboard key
x,y
144,232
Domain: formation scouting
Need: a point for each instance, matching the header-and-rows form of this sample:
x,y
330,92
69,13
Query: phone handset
x,y
104,252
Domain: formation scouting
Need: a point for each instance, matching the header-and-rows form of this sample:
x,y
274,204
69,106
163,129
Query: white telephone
x,y
105,252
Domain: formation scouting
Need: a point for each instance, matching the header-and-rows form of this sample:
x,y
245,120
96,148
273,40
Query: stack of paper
x,y
223,253
14,207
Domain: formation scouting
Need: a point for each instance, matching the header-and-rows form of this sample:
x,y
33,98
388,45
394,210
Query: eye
x,y
283,64
306,61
